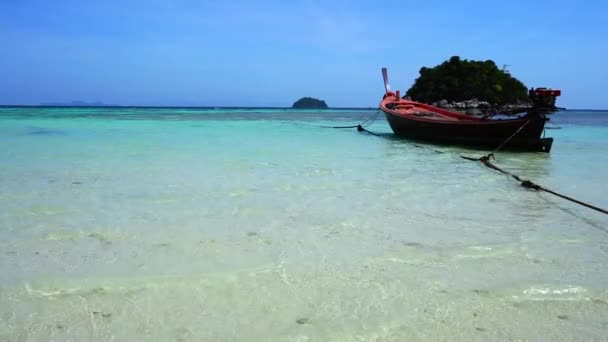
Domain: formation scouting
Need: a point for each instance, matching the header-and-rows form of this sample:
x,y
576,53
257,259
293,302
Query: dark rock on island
x,y
309,103
480,108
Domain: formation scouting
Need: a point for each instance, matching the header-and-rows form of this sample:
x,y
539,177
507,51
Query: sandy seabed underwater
x,y
258,225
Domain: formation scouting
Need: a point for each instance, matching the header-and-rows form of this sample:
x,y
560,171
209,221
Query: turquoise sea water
x,y
250,224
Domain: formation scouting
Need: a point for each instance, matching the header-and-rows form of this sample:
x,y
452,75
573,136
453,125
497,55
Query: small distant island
x,y
473,87
309,103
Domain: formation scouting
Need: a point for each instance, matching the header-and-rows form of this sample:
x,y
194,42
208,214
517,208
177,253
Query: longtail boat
x,y
415,120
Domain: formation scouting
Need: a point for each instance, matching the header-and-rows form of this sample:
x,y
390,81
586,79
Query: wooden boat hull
x,y
489,133
415,120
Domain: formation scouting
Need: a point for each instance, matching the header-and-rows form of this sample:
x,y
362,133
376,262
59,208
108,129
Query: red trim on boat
x,y
413,110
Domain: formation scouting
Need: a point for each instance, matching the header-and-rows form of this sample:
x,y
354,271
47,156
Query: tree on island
x,y
309,103
460,80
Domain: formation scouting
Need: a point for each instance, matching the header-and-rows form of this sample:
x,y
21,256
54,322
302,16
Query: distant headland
x,y
309,103
77,104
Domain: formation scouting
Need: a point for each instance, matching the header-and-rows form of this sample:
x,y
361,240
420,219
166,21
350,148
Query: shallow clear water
x,y
190,224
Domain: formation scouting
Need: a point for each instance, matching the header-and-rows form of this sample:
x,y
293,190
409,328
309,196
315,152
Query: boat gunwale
x,y
460,119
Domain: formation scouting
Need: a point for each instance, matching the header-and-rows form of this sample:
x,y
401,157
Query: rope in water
x,y
528,184
363,129
363,124
509,138
360,128
485,160
367,122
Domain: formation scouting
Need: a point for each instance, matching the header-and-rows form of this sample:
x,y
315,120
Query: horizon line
x,y
168,106
226,107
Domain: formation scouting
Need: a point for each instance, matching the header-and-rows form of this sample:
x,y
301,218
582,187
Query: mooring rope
x,y
485,160
363,123
360,128
369,121
528,184
491,154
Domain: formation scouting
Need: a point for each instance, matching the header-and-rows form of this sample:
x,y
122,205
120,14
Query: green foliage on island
x,y
459,80
309,103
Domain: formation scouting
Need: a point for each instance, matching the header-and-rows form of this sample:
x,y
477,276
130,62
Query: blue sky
x,y
226,53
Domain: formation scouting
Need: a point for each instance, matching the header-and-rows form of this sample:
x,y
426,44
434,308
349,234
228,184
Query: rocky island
x,y
471,87
309,103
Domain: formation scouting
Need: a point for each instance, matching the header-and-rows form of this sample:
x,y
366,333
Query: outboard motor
x,y
543,100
